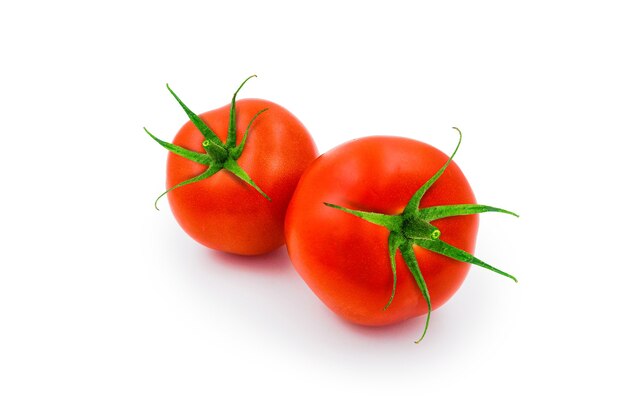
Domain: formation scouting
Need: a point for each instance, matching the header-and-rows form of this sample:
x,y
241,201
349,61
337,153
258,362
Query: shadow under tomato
x,y
406,331
274,263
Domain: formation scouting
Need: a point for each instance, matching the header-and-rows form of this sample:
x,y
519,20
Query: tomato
x,y
358,221
230,179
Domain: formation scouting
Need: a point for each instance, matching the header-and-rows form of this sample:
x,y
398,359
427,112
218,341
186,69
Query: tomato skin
x,y
223,212
344,259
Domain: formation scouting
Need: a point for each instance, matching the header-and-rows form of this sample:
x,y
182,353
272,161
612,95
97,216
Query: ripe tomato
x,y
356,218
229,197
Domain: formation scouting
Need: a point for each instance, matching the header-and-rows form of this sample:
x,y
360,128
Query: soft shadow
x,y
407,330
275,262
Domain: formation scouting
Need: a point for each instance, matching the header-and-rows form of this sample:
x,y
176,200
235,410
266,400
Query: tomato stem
x,y
415,228
216,152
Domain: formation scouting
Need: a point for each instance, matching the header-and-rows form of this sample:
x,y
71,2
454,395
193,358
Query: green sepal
x,y
429,214
413,205
206,174
391,222
408,254
395,240
232,166
200,158
236,153
197,121
231,138
443,248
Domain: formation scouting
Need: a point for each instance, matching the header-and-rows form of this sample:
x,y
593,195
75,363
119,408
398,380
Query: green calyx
x,y
412,227
217,155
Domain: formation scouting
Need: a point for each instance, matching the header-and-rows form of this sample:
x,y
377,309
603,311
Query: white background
x,y
108,308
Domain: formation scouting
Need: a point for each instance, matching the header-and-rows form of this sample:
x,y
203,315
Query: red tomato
x,y
223,212
346,260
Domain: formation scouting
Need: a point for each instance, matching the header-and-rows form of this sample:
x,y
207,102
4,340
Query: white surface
x,y
107,308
